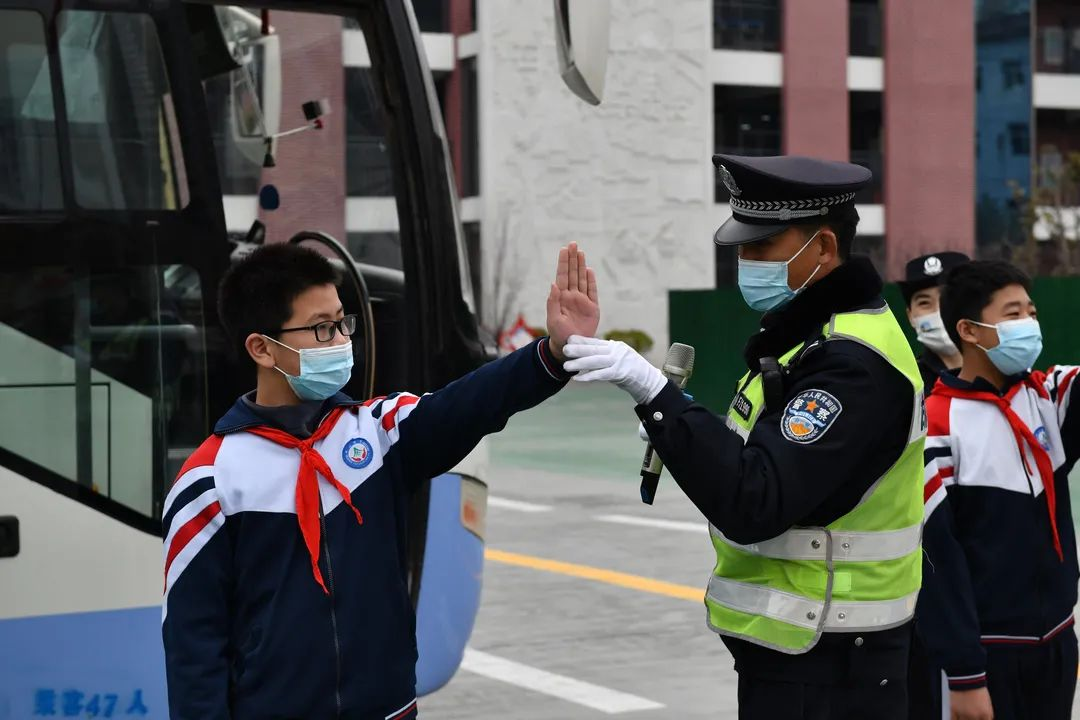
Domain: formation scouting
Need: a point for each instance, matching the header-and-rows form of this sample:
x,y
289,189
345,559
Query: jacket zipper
x,y
1035,508
333,611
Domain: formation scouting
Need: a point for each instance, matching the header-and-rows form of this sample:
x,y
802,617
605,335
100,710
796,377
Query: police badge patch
x,y
809,416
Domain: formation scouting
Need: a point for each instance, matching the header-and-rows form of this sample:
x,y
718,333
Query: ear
x,y
966,330
910,317
830,246
258,348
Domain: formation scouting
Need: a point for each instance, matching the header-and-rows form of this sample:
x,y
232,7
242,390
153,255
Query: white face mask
x,y
932,335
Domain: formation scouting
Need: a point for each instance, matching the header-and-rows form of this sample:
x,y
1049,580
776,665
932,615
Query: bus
x,y
122,122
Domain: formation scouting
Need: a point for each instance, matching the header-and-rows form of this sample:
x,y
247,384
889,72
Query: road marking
x,y
592,696
520,506
610,577
694,527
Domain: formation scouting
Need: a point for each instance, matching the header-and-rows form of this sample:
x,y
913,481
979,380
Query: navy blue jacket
x,y
991,573
248,631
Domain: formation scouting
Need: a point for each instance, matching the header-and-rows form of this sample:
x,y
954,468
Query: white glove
x,y
642,434
598,360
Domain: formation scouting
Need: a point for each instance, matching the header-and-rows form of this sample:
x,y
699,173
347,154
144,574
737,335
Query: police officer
x,y
921,289
812,482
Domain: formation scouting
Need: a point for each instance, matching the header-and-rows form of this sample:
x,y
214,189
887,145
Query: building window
x,y
746,24
873,247
1058,136
1053,46
1012,74
746,121
864,28
368,171
727,266
470,129
432,15
865,125
1057,45
1020,138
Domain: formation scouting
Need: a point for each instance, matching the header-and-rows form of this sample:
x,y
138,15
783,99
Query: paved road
x,y
592,600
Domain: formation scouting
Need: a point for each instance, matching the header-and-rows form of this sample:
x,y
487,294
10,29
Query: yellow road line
x,y
610,577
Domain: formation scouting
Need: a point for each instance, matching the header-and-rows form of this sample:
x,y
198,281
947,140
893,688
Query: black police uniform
x,y
923,272
759,490
924,677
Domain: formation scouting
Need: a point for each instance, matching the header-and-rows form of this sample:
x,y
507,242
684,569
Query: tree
x,y
1051,212
500,307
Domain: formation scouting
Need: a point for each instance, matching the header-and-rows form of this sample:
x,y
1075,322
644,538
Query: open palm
x,y
572,306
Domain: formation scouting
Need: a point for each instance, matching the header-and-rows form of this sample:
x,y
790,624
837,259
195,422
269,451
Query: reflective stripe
x,y
801,612
799,544
766,602
739,429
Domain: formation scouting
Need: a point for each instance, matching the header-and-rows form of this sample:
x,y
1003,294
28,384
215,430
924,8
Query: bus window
x,y
105,373
29,165
115,91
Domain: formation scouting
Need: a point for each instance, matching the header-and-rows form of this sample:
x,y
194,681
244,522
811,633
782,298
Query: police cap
x,y
770,194
928,271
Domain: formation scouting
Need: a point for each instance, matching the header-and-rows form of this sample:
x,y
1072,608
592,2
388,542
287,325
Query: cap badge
x,y
729,181
932,266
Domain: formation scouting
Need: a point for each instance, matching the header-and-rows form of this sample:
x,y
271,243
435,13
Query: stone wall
x,y
630,180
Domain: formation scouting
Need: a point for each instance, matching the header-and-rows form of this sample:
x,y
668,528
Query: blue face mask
x,y
764,285
323,370
1019,345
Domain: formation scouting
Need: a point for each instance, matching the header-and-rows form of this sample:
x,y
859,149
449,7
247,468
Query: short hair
x,y
843,226
969,288
257,293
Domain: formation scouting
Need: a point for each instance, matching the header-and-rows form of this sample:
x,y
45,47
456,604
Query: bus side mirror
x,y
255,85
582,28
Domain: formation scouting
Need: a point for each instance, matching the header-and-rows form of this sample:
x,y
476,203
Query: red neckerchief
x,y
307,483
1023,434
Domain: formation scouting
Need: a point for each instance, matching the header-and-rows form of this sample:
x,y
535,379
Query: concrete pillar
x,y
815,100
929,117
460,17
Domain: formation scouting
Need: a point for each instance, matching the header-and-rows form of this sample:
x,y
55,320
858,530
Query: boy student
x,y
996,609
285,587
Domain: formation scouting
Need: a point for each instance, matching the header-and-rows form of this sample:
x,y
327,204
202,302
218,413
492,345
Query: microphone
x,y
678,366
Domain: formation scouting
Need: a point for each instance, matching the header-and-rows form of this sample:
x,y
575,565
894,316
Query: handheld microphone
x,y
678,366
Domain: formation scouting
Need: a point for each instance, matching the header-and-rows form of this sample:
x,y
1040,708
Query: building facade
x,y
954,106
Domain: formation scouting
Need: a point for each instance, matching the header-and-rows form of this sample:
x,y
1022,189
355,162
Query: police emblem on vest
x,y
809,415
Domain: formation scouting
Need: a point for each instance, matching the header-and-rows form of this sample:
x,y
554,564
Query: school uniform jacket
x,y
1001,564
248,630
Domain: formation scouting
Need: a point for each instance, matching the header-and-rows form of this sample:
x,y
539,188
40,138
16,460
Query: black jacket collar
x,y
981,384
852,286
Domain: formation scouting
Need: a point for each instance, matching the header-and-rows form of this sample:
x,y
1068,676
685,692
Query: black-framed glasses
x,y
327,330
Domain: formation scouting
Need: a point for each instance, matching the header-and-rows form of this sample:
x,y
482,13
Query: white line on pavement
x,y
599,698
696,527
520,506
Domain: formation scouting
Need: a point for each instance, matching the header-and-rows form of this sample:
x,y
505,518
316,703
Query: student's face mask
x,y
764,285
323,370
1019,345
930,330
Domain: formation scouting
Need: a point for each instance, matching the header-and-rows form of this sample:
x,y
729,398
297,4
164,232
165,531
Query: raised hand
x,y
572,306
